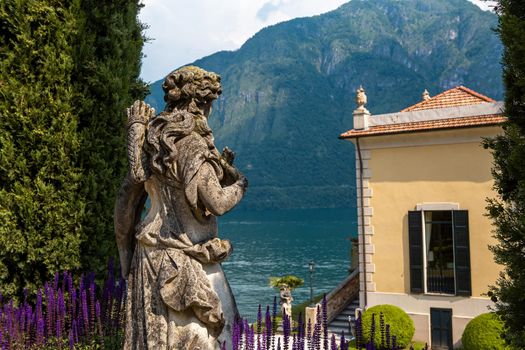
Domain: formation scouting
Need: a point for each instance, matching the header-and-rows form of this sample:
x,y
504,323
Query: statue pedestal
x,y
310,314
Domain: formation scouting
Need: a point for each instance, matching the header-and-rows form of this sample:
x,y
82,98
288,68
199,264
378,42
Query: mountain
x,y
289,91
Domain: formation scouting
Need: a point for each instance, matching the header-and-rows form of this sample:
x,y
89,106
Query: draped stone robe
x,y
178,296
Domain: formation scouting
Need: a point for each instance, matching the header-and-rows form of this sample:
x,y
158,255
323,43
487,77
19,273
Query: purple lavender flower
x,y
387,336
61,310
325,322
358,331
251,338
382,328
300,326
309,334
317,337
92,303
74,328
268,329
29,318
373,329
50,299
274,320
85,314
287,329
259,321
317,329
235,336
333,343
99,321
40,332
343,344
58,329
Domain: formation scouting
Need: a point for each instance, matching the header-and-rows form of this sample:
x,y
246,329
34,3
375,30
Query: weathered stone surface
x,y
178,295
286,301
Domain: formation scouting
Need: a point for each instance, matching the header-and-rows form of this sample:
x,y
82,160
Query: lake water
x,y
283,242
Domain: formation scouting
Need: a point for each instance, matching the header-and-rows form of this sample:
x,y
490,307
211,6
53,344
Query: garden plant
x,y
484,332
83,316
392,320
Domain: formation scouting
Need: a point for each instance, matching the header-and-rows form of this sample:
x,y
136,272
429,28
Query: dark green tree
x,y
41,209
508,209
107,67
68,69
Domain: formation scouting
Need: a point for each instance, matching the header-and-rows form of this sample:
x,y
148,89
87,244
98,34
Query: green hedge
x,y
401,325
483,332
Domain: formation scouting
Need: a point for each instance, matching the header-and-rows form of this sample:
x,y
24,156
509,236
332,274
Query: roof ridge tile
x,y
449,98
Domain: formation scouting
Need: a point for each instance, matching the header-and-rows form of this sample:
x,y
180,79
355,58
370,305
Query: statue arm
x,y
217,199
128,207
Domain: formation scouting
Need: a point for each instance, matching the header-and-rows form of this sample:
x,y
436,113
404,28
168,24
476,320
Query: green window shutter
x,y
462,252
415,244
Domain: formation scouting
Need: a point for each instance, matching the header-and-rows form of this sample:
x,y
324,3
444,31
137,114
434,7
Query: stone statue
x,y
286,300
360,98
178,296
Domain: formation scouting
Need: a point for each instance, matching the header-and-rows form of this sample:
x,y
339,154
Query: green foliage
x,y
67,70
107,62
289,91
289,280
113,342
483,332
401,325
40,206
508,210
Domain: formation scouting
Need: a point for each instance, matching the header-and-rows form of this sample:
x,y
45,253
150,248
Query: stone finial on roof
x,y
360,97
425,96
361,114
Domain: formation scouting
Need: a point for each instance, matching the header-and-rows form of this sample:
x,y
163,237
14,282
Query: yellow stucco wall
x,y
402,177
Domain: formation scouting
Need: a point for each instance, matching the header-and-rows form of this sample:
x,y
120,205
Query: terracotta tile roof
x,y
427,125
458,96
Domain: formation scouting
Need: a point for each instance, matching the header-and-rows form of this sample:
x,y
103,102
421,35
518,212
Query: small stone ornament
x,y
178,296
286,300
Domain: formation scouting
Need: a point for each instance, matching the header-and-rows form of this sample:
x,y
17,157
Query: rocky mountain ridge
x,y
289,91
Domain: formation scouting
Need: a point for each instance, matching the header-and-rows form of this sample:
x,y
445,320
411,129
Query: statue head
x,y
189,93
191,88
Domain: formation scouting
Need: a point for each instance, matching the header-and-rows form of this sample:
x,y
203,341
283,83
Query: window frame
x,y
461,249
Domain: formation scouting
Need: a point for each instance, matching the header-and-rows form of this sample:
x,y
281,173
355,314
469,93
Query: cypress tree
x,y
40,207
508,209
68,69
108,60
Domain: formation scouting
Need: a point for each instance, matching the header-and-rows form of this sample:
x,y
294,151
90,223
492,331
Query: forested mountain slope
x,y
289,90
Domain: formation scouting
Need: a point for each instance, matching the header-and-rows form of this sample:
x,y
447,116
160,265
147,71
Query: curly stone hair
x,y
189,87
187,90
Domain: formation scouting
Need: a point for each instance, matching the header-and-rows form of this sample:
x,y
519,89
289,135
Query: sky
x,y
182,31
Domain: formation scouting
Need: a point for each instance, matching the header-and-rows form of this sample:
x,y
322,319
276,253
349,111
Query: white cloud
x,y
183,30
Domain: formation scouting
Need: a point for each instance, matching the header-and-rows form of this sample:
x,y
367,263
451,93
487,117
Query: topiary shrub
x,y
401,325
483,332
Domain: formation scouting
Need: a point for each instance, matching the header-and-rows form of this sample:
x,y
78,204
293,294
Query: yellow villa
x,y
422,182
